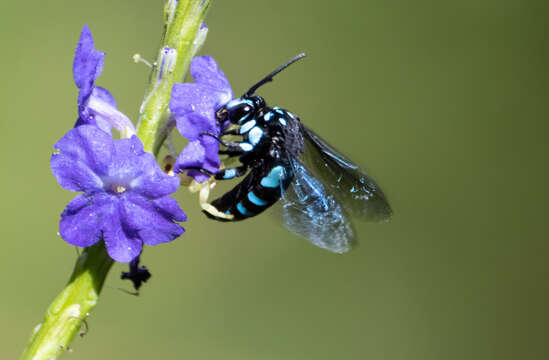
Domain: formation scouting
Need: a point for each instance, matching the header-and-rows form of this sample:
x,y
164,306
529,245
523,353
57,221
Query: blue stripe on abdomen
x,y
256,200
275,177
256,193
241,209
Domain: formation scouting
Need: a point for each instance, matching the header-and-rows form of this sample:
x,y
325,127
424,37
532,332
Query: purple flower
x,y
125,193
96,106
194,106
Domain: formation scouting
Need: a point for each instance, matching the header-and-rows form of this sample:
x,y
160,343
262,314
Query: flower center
x,y
119,189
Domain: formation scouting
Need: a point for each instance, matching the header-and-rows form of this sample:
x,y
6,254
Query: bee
x,y
281,159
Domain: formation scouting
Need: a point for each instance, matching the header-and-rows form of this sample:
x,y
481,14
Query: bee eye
x,y
239,112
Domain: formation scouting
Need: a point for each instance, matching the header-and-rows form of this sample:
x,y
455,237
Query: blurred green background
x,y
444,102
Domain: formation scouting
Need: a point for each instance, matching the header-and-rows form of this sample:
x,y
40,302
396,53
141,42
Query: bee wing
x,y
310,211
354,189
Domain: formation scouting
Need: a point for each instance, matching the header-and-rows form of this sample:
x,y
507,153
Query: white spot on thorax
x,y
255,135
246,146
247,126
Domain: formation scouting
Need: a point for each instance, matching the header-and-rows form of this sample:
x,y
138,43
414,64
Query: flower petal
x,y
74,176
122,246
192,155
81,221
155,225
211,147
169,208
201,153
87,65
85,118
84,155
194,108
204,70
104,95
140,171
96,106
102,106
201,99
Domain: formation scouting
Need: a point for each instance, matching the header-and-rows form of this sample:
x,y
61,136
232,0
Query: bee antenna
x,y
269,77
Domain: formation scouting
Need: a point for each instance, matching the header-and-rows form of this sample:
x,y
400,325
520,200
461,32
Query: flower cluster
x,y
125,195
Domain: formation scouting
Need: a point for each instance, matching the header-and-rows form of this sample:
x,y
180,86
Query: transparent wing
x,y
309,211
354,189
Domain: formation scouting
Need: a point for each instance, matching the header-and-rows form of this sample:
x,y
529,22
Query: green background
x,y
444,102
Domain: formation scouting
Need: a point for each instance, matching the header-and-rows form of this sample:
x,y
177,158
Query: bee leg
x,y
199,169
224,174
215,137
231,132
237,151
231,173
233,148
204,192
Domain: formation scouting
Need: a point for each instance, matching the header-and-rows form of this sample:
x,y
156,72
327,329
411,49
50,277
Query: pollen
x,y
119,189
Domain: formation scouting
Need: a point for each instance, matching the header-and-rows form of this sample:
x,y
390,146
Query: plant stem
x,y
182,37
179,45
67,312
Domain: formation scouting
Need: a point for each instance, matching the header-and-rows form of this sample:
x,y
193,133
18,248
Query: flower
x,y
96,106
194,106
125,193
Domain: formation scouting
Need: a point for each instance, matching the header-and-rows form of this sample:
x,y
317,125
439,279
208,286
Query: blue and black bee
x,y
283,159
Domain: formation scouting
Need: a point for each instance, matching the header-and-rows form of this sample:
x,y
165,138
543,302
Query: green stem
x,y
67,312
181,40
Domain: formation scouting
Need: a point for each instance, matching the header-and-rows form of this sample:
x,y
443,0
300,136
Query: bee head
x,y
249,105
239,110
